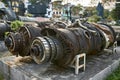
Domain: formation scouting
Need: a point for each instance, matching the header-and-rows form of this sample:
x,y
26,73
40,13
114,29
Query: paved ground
x,y
3,50
2,47
18,69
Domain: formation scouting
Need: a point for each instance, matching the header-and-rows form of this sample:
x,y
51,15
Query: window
x,y
59,12
49,12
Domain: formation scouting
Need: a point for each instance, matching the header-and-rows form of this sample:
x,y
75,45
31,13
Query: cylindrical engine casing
x,y
88,38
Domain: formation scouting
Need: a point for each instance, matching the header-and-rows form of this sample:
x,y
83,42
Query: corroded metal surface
x,y
19,42
4,27
79,38
58,43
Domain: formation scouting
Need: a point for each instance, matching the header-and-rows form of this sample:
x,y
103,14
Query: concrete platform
x,y
3,48
97,68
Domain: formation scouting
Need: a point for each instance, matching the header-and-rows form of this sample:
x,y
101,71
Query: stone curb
x,y
107,71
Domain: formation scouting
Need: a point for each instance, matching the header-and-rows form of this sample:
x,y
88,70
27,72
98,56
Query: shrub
x,y
29,15
109,18
1,77
106,13
94,18
15,25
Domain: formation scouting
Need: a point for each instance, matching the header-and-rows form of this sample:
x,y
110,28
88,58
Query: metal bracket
x,y
114,46
76,62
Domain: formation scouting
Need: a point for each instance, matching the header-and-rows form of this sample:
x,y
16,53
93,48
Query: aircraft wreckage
x,y
59,43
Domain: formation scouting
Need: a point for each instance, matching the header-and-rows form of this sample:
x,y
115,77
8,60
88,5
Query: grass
x,y
1,77
115,75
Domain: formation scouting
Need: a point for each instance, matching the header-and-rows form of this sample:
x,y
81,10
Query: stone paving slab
x,y
14,69
2,46
3,50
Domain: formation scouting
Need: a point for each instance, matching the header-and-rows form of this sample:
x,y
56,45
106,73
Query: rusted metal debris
x,y
60,46
19,43
59,43
4,27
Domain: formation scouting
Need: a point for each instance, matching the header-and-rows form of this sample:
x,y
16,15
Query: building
x,y
49,11
67,14
39,8
54,9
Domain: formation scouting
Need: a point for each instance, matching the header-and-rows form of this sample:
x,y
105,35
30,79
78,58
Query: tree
x,y
6,2
91,11
76,9
115,13
34,1
106,13
104,1
94,18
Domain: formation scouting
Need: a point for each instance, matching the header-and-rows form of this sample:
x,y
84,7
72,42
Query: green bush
x,y
32,1
91,11
76,9
115,14
106,13
15,25
109,18
29,15
94,18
